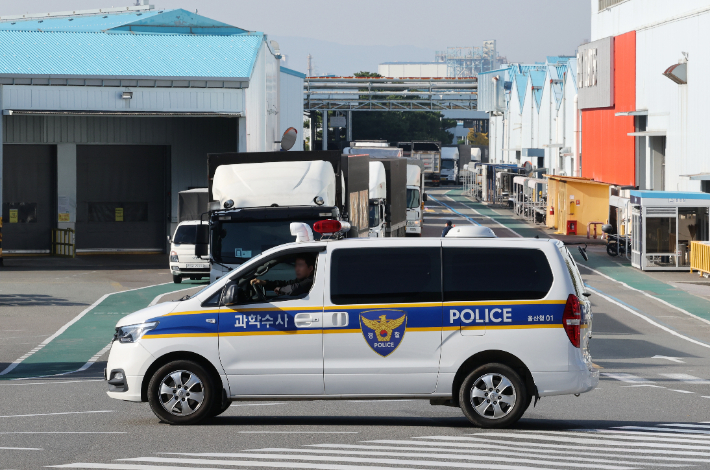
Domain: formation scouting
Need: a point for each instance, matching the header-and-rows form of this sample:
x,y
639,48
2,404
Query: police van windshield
x,y
447,164
412,198
238,242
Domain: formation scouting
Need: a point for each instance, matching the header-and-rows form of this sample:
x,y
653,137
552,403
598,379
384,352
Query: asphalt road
x,y
651,409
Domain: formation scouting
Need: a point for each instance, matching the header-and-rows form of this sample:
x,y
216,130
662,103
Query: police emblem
x,y
383,329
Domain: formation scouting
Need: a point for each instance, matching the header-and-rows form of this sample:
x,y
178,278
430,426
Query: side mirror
x,y
229,296
202,240
583,252
170,240
425,198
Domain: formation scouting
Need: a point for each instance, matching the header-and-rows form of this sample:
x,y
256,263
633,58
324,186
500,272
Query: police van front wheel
x,y
182,392
493,396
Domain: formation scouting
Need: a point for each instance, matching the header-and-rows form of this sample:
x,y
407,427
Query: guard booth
x,y
664,225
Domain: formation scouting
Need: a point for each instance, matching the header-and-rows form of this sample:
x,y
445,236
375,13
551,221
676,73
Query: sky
x,y
345,37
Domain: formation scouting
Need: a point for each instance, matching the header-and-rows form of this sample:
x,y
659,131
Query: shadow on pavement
x,y
86,262
35,300
337,422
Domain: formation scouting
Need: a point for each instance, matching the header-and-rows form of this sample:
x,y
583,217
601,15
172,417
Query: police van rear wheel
x,y
182,392
493,396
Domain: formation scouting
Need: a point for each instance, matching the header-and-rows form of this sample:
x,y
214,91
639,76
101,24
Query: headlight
x,y
132,333
173,257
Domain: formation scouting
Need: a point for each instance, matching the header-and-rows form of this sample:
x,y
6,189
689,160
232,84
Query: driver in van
x,y
304,267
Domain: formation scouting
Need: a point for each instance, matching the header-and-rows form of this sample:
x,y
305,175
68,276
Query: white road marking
x,y
667,304
298,432
491,218
52,382
625,377
258,404
669,430
684,425
20,448
350,460
288,465
478,456
687,378
680,391
642,385
644,317
672,359
474,450
582,440
61,330
526,446
635,436
56,414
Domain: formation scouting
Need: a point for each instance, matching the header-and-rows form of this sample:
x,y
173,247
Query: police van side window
x,y
385,275
495,274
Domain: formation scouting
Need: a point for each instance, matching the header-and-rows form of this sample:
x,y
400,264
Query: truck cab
x,y
378,200
449,165
415,197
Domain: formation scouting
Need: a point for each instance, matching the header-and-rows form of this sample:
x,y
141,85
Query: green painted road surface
x,y
617,268
73,348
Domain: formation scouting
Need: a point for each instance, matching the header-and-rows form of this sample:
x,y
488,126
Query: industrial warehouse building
x,y
108,114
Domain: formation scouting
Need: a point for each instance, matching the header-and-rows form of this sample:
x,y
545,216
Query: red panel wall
x,y
607,150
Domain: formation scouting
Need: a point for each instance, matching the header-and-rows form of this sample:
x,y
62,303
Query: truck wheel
x,y
493,396
182,392
177,279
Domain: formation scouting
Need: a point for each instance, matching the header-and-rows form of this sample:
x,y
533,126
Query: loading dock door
x,y
28,197
121,197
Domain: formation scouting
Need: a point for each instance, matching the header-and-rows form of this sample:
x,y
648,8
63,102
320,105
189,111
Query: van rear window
x,y
385,275
495,274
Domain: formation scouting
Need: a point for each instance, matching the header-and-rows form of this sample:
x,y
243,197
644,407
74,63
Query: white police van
x,y
484,324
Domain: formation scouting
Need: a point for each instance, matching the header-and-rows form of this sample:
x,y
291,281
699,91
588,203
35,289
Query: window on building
x,y
604,4
385,275
473,274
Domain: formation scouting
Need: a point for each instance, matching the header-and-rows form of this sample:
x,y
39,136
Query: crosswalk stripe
x,y
632,437
584,440
628,378
684,425
512,450
479,455
432,463
244,463
687,379
524,446
667,430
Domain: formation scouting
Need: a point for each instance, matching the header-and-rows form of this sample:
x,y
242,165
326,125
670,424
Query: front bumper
x,y
182,270
414,229
133,359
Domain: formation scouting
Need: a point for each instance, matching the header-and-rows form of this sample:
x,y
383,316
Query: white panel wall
x,y
414,70
80,98
637,14
291,114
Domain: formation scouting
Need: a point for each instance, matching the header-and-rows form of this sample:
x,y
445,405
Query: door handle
x,y
340,319
303,320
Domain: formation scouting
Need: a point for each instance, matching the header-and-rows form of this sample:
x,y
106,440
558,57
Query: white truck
x,y
449,165
416,197
378,200
256,197
183,262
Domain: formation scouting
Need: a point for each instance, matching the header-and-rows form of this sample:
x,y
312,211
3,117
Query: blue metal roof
x,y
177,21
293,72
127,55
669,195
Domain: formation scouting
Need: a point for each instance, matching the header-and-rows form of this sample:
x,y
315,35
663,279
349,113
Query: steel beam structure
x,y
389,94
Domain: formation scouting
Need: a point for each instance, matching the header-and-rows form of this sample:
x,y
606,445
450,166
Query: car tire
x,y
182,380
493,396
221,408
177,279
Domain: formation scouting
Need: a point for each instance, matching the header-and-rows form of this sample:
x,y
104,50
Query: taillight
x,y
327,226
572,320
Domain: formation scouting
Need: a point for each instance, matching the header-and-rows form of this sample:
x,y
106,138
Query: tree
x,y
394,126
477,138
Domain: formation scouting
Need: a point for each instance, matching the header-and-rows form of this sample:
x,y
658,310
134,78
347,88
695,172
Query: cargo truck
x,y
449,165
256,197
429,153
396,208
183,263
416,197
378,199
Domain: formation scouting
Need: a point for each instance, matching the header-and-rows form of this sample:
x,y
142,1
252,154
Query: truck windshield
x,y
447,164
412,198
185,234
238,242
374,215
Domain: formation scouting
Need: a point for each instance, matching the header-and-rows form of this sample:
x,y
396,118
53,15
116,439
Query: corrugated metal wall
x,y
190,139
291,101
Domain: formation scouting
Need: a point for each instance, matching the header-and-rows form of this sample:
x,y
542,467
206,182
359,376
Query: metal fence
x,y
700,257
